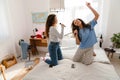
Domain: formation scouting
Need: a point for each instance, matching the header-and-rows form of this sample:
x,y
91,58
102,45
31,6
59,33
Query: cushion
x,y
67,43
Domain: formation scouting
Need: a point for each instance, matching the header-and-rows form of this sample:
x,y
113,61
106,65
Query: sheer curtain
x,y
77,9
3,21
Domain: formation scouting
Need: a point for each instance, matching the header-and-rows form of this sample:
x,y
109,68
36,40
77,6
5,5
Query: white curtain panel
x,y
3,20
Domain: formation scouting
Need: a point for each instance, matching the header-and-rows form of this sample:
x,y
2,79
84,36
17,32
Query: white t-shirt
x,y
54,35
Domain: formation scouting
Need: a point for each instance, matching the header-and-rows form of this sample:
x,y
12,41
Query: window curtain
x,y
3,21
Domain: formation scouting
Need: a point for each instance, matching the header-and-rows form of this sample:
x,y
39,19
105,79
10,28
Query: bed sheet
x,y
95,71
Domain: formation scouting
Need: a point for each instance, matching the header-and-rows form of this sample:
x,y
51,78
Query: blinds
x,y
56,5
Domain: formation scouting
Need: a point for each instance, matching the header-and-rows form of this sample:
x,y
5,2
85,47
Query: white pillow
x,y
96,46
69,53
68,43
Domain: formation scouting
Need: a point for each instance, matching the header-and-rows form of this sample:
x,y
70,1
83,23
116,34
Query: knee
x,y
76,60
87,62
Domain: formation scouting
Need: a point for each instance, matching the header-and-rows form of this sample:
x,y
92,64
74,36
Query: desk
x,y
37,42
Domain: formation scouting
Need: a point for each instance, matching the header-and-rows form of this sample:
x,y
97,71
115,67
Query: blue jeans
x,y
55,53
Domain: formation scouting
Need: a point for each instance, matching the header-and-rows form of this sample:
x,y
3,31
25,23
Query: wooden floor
x,y
116,63
24,71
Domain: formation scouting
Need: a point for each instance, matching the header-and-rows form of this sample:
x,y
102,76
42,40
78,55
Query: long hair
x,y
74,27
50,21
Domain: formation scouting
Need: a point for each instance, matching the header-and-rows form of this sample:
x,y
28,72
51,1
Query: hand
x,y
62,25
88,4
75,32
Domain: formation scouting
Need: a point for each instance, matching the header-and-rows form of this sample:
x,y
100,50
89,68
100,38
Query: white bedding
x,y
98,70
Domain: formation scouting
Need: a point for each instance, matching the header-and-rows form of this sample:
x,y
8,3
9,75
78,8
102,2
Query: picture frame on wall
x,y
39,17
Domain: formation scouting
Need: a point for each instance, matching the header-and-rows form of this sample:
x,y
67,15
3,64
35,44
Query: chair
x,y
26,49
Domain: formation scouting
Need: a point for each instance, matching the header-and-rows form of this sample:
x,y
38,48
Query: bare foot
x,y
94,54
43,58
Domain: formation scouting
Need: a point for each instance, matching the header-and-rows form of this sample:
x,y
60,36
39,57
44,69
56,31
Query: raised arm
x,y
93,10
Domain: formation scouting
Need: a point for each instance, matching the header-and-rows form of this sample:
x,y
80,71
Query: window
x,y
77,9
3,20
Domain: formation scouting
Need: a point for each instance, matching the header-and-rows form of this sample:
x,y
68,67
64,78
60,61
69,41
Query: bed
x,y
100,69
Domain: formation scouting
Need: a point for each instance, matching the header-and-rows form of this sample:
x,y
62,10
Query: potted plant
x,y
116,40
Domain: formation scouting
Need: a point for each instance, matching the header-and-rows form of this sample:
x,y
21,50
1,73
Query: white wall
x,y
17,19
35,6
111,20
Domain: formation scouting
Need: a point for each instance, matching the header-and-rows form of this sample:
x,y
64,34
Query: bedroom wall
x,y
17,19
112,19
35,6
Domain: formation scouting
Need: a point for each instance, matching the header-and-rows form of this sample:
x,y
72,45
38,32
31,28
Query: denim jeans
x,y
55,53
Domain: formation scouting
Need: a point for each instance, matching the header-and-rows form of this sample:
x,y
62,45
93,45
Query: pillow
x,y
67,43
96,46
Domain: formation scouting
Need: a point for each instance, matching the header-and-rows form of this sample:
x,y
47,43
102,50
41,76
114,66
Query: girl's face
x,y
56,20
77,22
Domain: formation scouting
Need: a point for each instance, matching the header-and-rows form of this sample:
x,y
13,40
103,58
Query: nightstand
x,y
109,51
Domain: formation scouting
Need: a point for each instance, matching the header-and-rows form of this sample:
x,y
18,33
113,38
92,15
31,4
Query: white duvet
x,y
100,69
95,71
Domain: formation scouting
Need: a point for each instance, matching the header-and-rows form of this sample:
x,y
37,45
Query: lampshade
x,y
56,5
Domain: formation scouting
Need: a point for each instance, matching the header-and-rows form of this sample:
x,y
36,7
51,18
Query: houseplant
x,y
116,40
